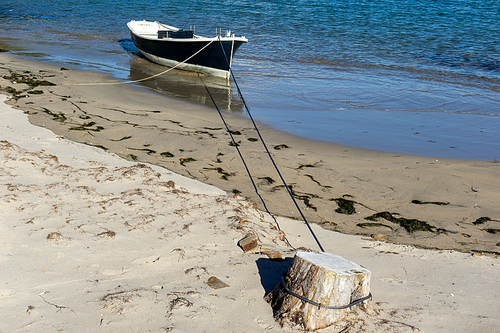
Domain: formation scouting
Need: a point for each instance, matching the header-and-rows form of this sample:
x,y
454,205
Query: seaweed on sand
x,y
123,138
186,160
302,166
483,219
267,180
317,182
345,206
439,203
146,150
225,174
87,127
167,154
282,146
56,117
305,197
410,225
30,81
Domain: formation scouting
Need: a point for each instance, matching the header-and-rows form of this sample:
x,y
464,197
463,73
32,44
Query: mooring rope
x,y
235,144
227,128
319,305
269,154
143,79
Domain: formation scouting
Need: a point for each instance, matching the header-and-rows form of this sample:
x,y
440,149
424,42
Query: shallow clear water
x,y
418,77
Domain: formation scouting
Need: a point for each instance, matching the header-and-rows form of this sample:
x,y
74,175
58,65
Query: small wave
x,y
466,62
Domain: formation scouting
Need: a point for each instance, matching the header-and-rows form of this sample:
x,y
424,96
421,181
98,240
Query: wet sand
x,y
421,201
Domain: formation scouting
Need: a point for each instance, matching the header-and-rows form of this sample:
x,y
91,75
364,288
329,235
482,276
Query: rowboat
x,y
182,49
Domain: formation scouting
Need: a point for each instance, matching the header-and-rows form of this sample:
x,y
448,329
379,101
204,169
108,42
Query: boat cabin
x,y
180,34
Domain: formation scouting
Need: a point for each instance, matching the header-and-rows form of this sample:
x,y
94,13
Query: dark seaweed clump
x,y
345,206
32,82
124,138
267,180
146,150
317,182
56,117
87,127
418,202
304,197
481,220
302,166
225,174
410,225
167,154
186,160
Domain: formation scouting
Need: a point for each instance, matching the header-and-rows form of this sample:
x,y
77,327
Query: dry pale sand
x,y
92,242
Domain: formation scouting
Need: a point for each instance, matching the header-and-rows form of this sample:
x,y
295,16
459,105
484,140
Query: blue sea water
x,y
417,77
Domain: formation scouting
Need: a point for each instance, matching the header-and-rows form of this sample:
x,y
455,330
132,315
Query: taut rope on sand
x,y
268,153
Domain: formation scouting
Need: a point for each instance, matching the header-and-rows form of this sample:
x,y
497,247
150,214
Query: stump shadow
x,y
271,271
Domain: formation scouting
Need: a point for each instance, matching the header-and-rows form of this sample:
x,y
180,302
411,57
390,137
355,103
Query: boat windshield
x,y
175,34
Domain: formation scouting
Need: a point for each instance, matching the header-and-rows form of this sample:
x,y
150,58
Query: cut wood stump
x,y
314,284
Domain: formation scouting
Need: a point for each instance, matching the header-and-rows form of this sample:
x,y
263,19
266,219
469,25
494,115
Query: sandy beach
x,y
121,204
427,202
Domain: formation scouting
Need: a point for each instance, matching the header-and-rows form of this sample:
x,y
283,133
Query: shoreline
x,y
93,241
416,116
338,187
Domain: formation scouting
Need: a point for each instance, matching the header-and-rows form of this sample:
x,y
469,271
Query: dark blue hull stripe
x,y
212,56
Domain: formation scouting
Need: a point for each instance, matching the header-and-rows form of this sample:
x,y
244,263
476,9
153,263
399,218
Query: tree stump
x,y
324,279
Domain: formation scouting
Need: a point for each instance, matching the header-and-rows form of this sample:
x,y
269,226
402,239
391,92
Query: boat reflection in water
x,y
187,86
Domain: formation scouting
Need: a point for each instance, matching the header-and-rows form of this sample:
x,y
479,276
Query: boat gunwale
x,y
196,38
